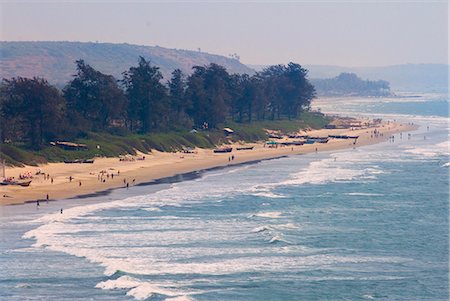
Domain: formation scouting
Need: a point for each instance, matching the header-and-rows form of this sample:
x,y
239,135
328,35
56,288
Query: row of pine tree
x,y
34,112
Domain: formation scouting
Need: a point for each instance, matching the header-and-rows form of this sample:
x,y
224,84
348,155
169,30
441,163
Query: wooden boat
x,y
17,183
290,143
343,137
245,148
298,136
223,150
72,161
311,140
88,161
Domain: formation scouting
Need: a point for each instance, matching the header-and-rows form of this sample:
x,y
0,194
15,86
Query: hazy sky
x,y
356,33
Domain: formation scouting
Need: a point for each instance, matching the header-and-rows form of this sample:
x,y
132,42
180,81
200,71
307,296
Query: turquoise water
x,y
364,224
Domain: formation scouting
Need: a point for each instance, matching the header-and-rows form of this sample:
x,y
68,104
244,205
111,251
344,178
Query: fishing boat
x,y
72,161
275,136
88,161
245,148
298,136
223,150
16,183
290,143
10,180
317,139
343,137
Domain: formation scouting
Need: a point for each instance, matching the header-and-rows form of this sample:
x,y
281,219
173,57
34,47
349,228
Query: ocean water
x,y
369,223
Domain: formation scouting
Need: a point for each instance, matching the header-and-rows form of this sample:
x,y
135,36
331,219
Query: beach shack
x,y
228,131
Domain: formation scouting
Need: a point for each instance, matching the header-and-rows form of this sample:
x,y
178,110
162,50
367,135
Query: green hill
x,y
55,60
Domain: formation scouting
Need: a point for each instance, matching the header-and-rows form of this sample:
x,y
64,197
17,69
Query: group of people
x,y
25,176
104,175
376,133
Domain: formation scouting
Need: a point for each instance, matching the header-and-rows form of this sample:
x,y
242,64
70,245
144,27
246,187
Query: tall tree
x,y
179,103
208,89
31,109
148,103
94,99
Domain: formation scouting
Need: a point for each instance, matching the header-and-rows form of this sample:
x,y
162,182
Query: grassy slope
x,y
112,145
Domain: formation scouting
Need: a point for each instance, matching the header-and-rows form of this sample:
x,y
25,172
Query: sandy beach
x,y
88,179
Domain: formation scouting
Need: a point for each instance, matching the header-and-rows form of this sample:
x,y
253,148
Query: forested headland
x,y
141,109
349,84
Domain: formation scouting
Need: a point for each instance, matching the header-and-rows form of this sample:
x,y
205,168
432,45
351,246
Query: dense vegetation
x,y
114,145
142,112
349,84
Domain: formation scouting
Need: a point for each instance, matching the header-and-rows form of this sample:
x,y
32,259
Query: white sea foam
x,y
287,226
269,214
324,171
146,290
363,194
261,229
277,238
23,285
119,283
446,164
432,150
268,194
151,209
139,289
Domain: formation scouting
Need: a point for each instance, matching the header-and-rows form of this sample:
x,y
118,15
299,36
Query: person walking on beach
x,y
37,203
47,198
128,185
61,210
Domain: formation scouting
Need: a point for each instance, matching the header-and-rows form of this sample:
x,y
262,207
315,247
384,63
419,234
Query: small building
x,y
228,131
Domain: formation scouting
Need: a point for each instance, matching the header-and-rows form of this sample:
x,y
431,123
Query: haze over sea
x,y
369,223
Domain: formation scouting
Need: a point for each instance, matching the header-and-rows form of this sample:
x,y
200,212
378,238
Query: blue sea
x,y
370,223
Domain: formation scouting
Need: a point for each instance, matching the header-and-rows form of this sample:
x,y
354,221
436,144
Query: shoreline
x,y
164,167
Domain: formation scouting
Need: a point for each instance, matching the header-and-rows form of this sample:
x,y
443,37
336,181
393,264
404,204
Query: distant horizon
x,y
211,53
